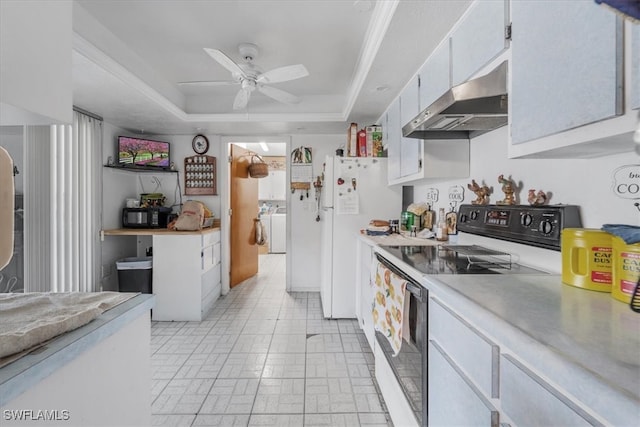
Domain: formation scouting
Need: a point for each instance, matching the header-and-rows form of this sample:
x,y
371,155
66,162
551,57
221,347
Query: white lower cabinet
x,y
529,400
453,398
186,275
364,291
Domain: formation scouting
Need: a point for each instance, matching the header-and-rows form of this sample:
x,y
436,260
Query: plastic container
x,y
135,274
587,259
626,269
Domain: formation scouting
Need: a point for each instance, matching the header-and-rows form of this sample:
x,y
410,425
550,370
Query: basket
x,y
258,169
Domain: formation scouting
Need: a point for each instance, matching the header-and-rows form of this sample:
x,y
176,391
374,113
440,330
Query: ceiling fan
x,y
251,77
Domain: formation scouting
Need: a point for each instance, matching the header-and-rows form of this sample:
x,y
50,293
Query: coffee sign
x,y
626,182
456,193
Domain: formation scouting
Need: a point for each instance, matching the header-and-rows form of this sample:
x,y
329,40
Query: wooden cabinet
x,y
565,68
273,186
364,290
186,275
479,38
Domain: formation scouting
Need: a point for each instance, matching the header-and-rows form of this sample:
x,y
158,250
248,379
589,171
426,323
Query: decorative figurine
x,y
537,199
509,190
481,192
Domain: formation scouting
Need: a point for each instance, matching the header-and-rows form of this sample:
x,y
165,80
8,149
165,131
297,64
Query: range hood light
x,y
444,122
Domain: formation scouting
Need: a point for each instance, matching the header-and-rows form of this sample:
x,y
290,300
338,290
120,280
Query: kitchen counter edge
x,y
156,231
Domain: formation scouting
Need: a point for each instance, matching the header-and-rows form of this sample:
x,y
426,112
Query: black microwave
x,y
154,217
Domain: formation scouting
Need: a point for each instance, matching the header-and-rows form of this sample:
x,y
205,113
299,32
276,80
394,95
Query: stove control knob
x,y
463,218
546,227
526,220
474,215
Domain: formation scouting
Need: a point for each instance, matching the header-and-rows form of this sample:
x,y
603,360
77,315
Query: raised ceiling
x,y
129,57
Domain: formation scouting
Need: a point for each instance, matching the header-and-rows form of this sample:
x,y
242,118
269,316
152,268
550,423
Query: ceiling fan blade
x,y
283,74
210,83
242,99
225,61
279,95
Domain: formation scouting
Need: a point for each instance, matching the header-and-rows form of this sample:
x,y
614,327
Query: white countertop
x,y
399,240
585,341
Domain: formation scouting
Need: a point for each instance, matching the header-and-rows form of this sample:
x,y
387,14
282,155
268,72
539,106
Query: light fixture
x,y
264,146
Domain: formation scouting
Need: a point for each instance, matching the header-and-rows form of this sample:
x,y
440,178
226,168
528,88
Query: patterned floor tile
x,y
375,420
243,365
324,343
322,326
235,420
288,343
280,396
172,420
182,396
284,365
202,365
252,344
291,326
326,365
329,395
331,420
231,396
276,420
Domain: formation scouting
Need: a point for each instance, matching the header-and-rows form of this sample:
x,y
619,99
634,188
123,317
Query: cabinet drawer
x,y
210,238
475,354
452,400
529,400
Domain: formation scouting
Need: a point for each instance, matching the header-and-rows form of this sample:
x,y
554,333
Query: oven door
x,y
409,366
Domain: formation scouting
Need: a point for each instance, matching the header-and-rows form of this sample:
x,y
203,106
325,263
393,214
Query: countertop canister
x,y
587,259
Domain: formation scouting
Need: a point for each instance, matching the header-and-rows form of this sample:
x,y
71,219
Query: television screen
x,y
142,152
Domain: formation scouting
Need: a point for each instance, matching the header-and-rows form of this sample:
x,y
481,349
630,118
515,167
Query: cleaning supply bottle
x,y
442,234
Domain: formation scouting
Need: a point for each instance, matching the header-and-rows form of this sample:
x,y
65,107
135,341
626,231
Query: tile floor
x,y
264,357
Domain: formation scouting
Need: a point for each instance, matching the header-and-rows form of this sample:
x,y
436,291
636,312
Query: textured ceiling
x,y
129,57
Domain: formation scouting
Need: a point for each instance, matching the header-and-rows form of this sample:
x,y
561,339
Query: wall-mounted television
x,y
139,152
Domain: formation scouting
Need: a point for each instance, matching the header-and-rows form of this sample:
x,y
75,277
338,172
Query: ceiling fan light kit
x,y
250,77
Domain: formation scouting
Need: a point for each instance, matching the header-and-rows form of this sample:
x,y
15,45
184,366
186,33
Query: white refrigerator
x,y
355,191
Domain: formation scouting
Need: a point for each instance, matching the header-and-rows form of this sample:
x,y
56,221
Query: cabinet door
x,y
529,400
435,75
564,68
453,400
478,39
635,66
393,140
264,188
410,148
278,185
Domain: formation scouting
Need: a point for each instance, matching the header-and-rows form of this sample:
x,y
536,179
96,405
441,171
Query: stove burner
x,y
458,259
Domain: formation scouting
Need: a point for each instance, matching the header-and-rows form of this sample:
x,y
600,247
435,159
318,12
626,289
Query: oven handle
x,y
412,285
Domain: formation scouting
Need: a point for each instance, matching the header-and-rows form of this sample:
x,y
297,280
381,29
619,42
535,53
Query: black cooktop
x,y
458,259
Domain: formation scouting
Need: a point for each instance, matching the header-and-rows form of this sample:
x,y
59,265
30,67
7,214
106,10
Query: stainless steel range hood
x,y
464,111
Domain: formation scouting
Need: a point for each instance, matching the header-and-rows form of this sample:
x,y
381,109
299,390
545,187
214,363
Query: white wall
x,y
583,182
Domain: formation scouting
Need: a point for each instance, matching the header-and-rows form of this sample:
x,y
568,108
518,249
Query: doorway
x,y
270,206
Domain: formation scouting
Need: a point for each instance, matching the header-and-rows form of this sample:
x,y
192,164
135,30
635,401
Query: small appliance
x,y
152,217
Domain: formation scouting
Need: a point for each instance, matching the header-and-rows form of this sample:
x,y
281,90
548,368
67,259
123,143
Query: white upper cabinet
x,y
35,53
478,39
435,75
410,148
566,67
273,186
635,66
393,135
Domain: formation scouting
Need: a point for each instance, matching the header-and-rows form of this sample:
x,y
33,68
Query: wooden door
x,y
244,211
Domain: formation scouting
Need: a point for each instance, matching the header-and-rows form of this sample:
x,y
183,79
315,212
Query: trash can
x,y
134,274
